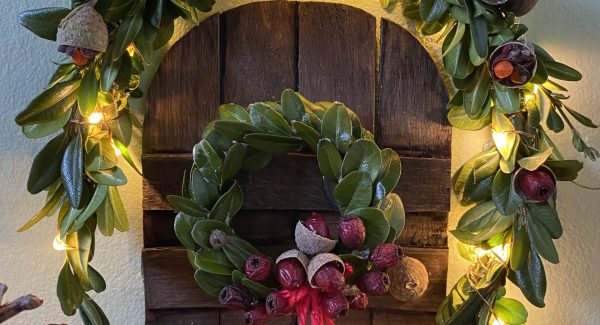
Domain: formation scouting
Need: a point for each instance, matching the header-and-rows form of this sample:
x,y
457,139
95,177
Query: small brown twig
x,y
13,308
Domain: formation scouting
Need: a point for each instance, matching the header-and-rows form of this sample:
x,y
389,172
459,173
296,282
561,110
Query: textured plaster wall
x,y
570,30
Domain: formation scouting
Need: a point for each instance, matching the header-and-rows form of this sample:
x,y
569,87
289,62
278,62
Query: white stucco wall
x,y
28,264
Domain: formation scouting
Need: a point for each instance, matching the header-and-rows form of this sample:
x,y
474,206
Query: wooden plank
x,y
337,56
235,317
436,262
259,52
185,88
183,317
425,229
169,281
398,317
424,185
412,115
356,317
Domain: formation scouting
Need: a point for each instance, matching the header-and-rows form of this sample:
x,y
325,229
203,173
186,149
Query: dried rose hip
x,y
79,59
334,305
329,278
317,224
277,304
513,64
385,255
291,273
257,315
374,283
258,268
236,296
358,300
535,186
352,232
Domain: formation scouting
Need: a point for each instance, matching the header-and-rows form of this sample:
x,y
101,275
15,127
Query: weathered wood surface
x,y
184,95
15,307
259,62
337,56
169,281
427,229
412,100
294,182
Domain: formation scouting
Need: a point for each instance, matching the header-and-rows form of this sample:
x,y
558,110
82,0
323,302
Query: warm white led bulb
x,y
95,118
59,245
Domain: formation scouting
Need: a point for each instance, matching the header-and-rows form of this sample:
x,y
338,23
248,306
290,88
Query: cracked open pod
x,y
83,28
293,254
317,262
311,243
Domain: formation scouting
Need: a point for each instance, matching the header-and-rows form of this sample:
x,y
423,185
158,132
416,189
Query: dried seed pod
x,y
278,304
310,242
386,255
291,269
236,296
374,283
535,186
334,305
258,268
83,28
317,224
352,232
356,298
513,64
321,261
409,279
257,315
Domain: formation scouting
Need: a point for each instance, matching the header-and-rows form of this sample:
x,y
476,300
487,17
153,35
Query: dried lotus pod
x,y
409,279
321,260
83,28
311,243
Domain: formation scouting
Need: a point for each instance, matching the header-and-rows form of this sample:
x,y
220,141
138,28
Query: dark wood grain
x,y
184,95
337,56
424,229
259,52
183,317
169,281
398,317
294,182
412,115
235,317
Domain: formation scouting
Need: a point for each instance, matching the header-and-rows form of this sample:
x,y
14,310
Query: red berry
x,y
258,268
334,305
317,224
236,296
358,300
535,186
257,315
329,278
277,304
374,283
352,232
385,255
79,59
291,273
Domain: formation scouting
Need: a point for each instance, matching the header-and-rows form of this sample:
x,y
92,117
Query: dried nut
x,y
317,224
374,283
320,261
385,255
83,28
535,186
257,315
356,298
236,296
352,232
334,305
409,279
310,242
278,304
258,268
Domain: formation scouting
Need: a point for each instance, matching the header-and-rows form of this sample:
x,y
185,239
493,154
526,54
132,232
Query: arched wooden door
x,y
327,52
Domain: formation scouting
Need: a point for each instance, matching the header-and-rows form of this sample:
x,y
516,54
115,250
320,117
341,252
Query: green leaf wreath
x,y
500,81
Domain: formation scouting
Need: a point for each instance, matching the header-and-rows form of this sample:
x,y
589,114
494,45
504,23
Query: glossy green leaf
x,y
203,191
534,162
238,251
258,289
211,283
273,144
391,178
330,161
310,136
128,30
478,30
554,122
109,70
507,99
456,37
541,240
376,225
43,22
337,127
234,112
88,92
481,223
97,282
293,107
268,120
456,60
475,98
50,104
213,261
183,230
68,290
72,171
111,177
187,206
547,216
97,199
235,130
36,131
165,33
504,195
531,280
393,210
520,247
89,312
584,120
510,311
100,152
458,118
354,191
81,241
363,155
565,170
562,71
228,204
433,10
232,163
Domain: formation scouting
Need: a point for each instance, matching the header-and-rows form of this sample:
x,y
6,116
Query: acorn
x,y
535,186
82,34
326,272
409,279
352,232
310,242
513,64
290,269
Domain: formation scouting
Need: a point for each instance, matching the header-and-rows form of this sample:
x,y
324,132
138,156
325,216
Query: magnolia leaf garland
x,y
500,81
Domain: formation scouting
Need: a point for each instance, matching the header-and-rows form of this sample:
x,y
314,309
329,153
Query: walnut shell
x,y
311,243
295,254
409,279
84,28
320,260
